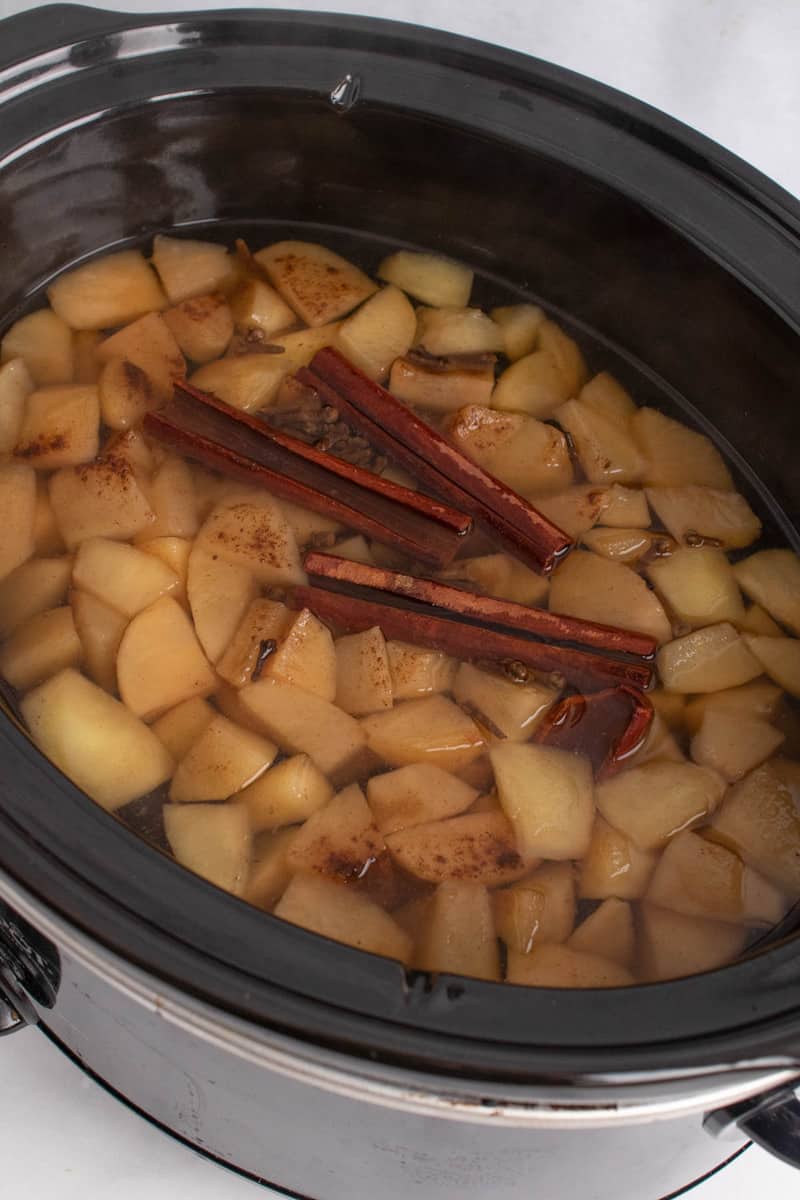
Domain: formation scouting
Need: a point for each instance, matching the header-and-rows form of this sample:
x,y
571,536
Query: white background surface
x,y
730,68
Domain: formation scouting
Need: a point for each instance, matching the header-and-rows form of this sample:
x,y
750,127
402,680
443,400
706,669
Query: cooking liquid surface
x,y
468,813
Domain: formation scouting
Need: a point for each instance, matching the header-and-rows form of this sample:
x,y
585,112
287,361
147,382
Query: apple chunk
x,y
339,839
772,579
676,454
379,332
698,586
732,743
650,804
181,726
433,730
476,846
504,708
528,455
121,576
428,277
416,794
318,284
711,659
17,513
160,661
95,740
100,628
418,672
554,966
609,932
780,658
614,865
289,792
44,342
263,625
99,499
363,679
672,945
597,589
15,387
219,594
760,821
36,585
44,644
223,760
540,908
306,657
335,911
547,794
459,936
60,427
694,511
303,723
213,840
249,530
107,291
188,268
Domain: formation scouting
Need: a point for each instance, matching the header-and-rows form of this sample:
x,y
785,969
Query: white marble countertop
x,y
730,69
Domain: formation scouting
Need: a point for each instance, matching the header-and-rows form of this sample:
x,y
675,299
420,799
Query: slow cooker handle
x,y
16,1010
772,1121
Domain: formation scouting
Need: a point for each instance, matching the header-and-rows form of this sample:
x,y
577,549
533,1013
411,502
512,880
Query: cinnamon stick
x,y
608,726
487,609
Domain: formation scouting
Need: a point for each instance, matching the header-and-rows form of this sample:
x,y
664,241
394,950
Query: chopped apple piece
x,y
256,305
100,628
440,391
528,455
758,621
15,387
126,393
175,553
303,723
132,447
181,726
554,966
652,803
149,344
336,911
502,708
415,795
84,348
99,499
339,839
760,820
43,645
535,385
307,525
707,660
670,706
36,585
780,658
319,285
772,579
160,661
44,342
428,277
500,575
698,586
476,846
189,268
597,589
219,596
363,679
608,397
567,354
459,936
627,546
223,760
520,324
627,508
289,792
547,796
450,330
306,656
121,576
173,499
677,455
213,840
606,451
418,672
540,908
269,872
249,530
202,326
731,744
60,427
614,866
433,729
379,332
107,291
660,743
95,740
249,649
695,513
756,700
17,514
608,932
577,509
673,945
247,381
703,879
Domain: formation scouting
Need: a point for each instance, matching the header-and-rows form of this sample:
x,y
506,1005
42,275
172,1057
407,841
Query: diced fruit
x,y
149,344
126,393
17,513
246,381
476,846
60,427
758,621
202,326
626,508
650,804
535,385
554,966
99,499
336,911
219,596
44,342
732,744
95,740
121,576
269,872
698,586
670,706
500,706
132,447
501,576
172,496
378,332
44,644
702,879
223,760
415,795
759,699
303,723
106,292
567,354
780,658
433,730
160,661
180,728
100,628
577,509
36,585
459,936
622,545
306,525
84,349
449,331
772,579
289,792
531,457
264,622
608,397
614,866
339,839
540,908
319,285
660,743
608,932
213,840
597,589
723,518
760,820
547,795
256,305
520,324
676,455
707,660
15,387
250,531
672,945
363,679
190,268
440,391
306,656
606,451
428,277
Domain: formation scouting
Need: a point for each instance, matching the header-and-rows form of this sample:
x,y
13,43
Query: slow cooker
x,y
299,1061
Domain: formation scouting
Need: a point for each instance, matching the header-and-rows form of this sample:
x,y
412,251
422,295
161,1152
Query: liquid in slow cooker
x,y
541,730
